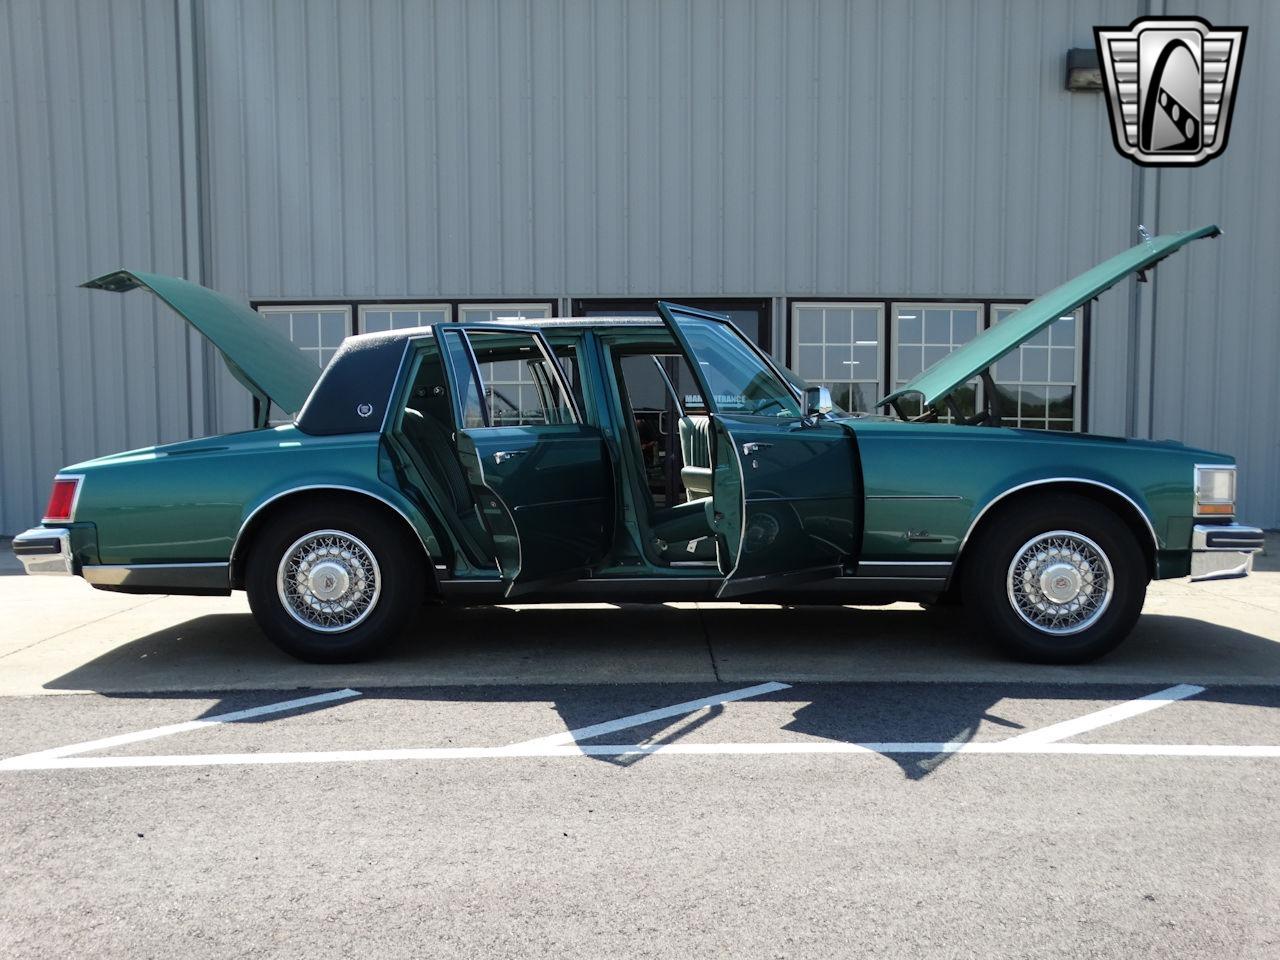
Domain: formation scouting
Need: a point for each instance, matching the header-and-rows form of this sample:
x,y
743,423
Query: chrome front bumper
x,y
1222,551
45,551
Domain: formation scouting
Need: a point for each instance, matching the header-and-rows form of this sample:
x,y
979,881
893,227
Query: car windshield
x,y
739,381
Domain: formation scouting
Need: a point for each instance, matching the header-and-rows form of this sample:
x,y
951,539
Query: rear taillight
x,y
62,499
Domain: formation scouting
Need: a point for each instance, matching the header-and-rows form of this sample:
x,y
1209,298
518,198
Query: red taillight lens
x,y
61,499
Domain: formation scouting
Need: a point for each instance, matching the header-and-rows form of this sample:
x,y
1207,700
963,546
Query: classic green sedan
x,y
477,463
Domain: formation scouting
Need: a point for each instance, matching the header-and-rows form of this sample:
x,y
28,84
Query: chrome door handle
x,y
502,456
752,447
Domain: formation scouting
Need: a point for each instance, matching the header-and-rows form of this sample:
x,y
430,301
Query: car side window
x,y
739,381
511,383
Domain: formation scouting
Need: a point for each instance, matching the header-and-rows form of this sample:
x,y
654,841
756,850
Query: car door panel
x,y
786,497
791,501
540,494
544,490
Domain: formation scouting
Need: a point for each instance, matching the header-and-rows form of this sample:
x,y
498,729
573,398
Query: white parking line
x,y
661,713
1042,742
168,731
34,762
1092,721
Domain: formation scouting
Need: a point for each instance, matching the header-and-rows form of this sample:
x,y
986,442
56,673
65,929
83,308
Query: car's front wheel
x,y
1057,580
332,588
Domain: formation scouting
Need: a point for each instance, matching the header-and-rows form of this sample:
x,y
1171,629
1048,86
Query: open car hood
x,y
261,358
988,347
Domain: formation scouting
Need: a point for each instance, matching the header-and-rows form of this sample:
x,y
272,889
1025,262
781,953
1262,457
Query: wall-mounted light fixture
x,y
1083,71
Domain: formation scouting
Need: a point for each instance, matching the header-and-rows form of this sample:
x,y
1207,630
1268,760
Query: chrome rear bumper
x,y
1222,551
45,551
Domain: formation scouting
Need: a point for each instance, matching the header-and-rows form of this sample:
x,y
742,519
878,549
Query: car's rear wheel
x,y
332,586
1059,579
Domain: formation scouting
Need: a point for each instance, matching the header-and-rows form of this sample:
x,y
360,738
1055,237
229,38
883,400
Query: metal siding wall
x,y
1217,337
581,148
609,148
89,182
557,148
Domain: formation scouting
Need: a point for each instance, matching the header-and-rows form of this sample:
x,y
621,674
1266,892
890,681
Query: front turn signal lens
x,y
62,499
1215,491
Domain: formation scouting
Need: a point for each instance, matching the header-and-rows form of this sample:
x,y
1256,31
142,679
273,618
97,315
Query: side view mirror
x,y
817,401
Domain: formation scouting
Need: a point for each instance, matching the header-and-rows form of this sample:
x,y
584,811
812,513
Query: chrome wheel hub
x,y
328,581
1060,582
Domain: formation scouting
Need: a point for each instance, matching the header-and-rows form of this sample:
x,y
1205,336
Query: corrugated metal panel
x,y
1217,339
89,181
609,148
567,148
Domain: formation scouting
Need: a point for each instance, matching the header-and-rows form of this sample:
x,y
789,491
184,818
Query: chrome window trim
x,y
323,486
1155,542
75,500
397,385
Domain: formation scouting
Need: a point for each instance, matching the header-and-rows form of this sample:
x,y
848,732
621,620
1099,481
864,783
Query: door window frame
x,y
549,358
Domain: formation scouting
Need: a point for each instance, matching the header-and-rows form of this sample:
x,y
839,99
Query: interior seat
x,y
432,443
695,448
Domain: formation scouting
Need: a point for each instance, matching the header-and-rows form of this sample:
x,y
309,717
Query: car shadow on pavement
x,y
917,676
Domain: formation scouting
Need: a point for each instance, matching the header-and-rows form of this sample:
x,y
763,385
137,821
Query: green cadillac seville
x,y
472,463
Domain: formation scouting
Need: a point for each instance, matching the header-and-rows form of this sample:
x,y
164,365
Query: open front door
x,y
786,494
540,476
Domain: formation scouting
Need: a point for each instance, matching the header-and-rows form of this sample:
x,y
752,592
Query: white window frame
x,y
268,309
1077,374
895,306
366,308
881,337
462,308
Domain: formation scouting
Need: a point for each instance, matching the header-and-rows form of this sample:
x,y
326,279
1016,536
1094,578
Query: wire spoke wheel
x,y
328,581
1060,583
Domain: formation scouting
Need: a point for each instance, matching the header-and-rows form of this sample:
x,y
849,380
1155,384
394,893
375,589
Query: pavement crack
x,y
81,626
706,636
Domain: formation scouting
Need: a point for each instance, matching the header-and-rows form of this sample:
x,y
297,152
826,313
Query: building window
x,y
1039,383
923,334
379,317
317,330
753,317
838,345
489,312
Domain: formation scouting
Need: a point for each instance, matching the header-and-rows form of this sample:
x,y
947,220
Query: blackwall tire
x,y
1059,579
330,585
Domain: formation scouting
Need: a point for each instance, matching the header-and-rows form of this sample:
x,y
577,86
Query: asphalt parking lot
x,y
681,780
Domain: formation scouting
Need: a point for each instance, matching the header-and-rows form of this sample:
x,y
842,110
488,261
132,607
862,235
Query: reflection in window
x,y
837,345
1038,382
739,381
520,387
923,335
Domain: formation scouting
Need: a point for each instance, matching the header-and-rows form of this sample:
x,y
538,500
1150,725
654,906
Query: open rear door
x,y
786,495
541,477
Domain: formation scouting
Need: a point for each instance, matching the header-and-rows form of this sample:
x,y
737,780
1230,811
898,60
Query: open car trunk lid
x,y
261,358
979,353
